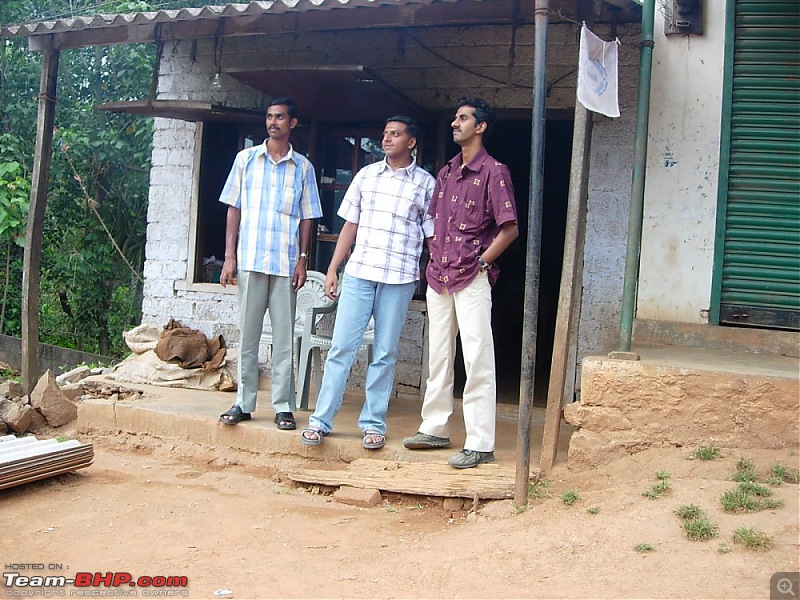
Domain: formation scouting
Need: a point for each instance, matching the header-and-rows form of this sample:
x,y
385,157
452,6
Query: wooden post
x,y
38,201
569,293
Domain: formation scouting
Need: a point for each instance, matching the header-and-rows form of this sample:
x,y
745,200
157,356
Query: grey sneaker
x,y
470,458
423,441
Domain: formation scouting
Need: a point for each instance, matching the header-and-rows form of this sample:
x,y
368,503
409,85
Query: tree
x,y
95,223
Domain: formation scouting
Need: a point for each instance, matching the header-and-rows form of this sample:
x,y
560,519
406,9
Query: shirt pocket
x,y
288,201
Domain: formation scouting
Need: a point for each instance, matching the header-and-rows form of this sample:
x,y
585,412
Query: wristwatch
x,y
483,265
303,255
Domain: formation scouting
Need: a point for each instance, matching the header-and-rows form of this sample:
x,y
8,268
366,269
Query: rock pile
x,y
53,402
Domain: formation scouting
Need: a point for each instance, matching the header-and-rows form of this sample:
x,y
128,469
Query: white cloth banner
x,y
597,74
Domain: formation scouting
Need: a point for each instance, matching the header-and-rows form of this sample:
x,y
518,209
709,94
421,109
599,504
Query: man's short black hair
x,y
412,127
288,103
483,112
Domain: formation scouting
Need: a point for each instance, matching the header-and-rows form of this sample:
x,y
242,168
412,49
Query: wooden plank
x,y
569,294
489,481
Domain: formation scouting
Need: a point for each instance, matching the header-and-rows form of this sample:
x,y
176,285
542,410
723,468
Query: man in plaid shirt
x,y
272,199
386,214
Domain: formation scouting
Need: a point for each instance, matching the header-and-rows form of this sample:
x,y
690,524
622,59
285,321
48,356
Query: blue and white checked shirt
x,y
391,210
273,198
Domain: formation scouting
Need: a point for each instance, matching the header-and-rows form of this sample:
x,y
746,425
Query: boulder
x,y
10,389
49,400
74,376
15,415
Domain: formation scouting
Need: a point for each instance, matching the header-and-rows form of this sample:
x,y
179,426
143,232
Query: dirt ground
x,y
150,512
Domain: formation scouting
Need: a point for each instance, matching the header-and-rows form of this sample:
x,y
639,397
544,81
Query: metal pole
x,y
533,251
31,260
630,282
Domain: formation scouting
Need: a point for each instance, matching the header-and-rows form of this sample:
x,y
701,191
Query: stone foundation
x,y
629,406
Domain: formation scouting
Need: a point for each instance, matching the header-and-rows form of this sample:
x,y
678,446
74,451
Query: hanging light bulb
x,y
216,81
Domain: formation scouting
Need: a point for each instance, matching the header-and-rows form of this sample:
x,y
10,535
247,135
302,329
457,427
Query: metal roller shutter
x,y
760,275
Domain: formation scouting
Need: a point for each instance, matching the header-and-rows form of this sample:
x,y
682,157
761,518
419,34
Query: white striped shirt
x,y
273,198
391,210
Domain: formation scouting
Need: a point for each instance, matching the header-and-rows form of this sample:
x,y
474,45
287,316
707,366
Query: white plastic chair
x,y
312,303
311,347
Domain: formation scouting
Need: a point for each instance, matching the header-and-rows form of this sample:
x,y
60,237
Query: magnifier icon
x,y
785,586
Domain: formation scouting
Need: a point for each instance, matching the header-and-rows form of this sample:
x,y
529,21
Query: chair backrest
x,y
311,295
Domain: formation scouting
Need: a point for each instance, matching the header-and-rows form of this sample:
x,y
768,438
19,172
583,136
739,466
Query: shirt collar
x,y
262,150
473,165
409,170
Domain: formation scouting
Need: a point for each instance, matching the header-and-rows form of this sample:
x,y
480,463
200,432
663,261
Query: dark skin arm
x,y
299,277
232,221
508,234
346,238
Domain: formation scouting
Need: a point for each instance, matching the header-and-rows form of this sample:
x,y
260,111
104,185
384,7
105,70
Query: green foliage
x,y
643,547
570,497
95,220
14,198
697,525
709,452
780,473
752,538
539,489
661,487
749,496
745,470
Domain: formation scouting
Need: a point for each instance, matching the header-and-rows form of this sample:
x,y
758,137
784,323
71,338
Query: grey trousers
x,y
257,294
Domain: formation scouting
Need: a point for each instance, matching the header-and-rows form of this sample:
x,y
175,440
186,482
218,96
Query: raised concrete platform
x,y
678,396
185,422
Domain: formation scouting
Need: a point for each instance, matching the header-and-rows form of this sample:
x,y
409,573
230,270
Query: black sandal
x,y
234,415
285,420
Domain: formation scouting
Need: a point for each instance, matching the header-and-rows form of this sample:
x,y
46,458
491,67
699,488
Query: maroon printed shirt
x,y
469,207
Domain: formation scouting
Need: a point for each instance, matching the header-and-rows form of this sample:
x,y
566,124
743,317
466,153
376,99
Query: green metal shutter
x,y
760,276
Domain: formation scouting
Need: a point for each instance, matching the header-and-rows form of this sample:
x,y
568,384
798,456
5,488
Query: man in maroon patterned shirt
x,y
475,220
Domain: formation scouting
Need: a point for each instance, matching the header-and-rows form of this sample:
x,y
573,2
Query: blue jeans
x,y
361,299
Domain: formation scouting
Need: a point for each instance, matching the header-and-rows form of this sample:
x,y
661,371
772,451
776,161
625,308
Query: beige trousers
x,y
468,311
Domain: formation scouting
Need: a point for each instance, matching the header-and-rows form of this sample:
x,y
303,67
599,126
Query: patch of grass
x,y
752,538
10,375
658,489
61,438
539,489
689,512
751,487
709,452
697,525
745,471
593,510
701,529
771,503
749,496
392,509
780,473
737,500
280,490
570,497
724,549
663,475
643,547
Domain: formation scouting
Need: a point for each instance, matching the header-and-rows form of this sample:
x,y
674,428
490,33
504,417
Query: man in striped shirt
x,y
272,199
386,214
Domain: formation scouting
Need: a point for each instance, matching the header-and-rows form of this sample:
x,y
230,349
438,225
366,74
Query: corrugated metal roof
x,y
252,9
28,459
